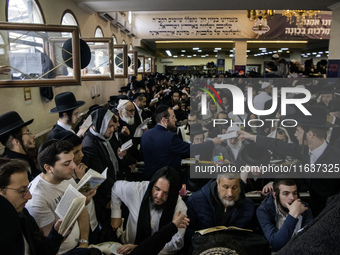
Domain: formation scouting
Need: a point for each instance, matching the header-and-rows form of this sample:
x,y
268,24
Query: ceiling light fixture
x,y
299,16
169,53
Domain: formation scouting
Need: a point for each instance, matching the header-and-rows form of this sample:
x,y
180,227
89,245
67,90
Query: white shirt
x,y
65,126
45,199
131,194
316,153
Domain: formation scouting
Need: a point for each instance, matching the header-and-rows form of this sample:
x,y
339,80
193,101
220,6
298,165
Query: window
x,y
130,47
68,20
24,11
114,39
99,32
123,42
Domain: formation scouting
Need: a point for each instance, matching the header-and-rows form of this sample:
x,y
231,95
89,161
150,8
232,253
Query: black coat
x,y
319,189
321,237
97,158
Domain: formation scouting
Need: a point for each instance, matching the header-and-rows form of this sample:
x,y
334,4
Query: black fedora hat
x,y
85,53
255,156
124,89
196,129
66,101
327,89
317,119
10,122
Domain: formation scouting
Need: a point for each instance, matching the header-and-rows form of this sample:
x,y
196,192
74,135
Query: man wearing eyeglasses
x,y
19,232
18,139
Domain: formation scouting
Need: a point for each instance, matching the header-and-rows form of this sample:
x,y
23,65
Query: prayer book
x,y
69,208
126,145
91,180
219,228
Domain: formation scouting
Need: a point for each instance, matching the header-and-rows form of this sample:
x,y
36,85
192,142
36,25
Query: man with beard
x,y
282,214
98,155
152,206
126,111
18,139
161,146
220,202
231,150
68,109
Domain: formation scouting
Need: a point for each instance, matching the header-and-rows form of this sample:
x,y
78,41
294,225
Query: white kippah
x,y
122,102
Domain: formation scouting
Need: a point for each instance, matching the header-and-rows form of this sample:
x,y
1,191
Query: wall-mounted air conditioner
x,y
115,18
127,28
132,32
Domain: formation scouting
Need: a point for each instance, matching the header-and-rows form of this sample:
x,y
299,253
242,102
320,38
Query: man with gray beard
x,y
231,150
126,111
221,202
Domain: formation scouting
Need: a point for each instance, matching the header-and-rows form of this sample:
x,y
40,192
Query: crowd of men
x,y
139,204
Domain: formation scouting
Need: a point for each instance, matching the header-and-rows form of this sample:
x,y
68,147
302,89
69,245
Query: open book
x,y
126,145
139,129
91,180
219,228
70,206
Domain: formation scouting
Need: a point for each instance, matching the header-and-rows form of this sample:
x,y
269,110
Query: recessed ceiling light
x,y
327,51
182,50
194,55
231,50
169,53
215,50
284,48
270,52
318,56
274,51
215,56
279,51
231,55
308,54
247,50
262,48
287,51
175,56
195,48
320,52
199,51
182,55
203,56
207,54
314,53
189,56
218,48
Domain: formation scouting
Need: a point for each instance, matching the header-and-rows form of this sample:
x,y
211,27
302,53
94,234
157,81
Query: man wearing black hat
x,y
17,138
68,108
312,149
282,214
152,205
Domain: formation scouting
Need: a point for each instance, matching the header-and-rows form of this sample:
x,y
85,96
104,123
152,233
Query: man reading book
x,y
56,162
220,202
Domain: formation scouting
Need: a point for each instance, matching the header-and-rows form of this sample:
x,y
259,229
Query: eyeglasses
x,y
21,191
28,133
